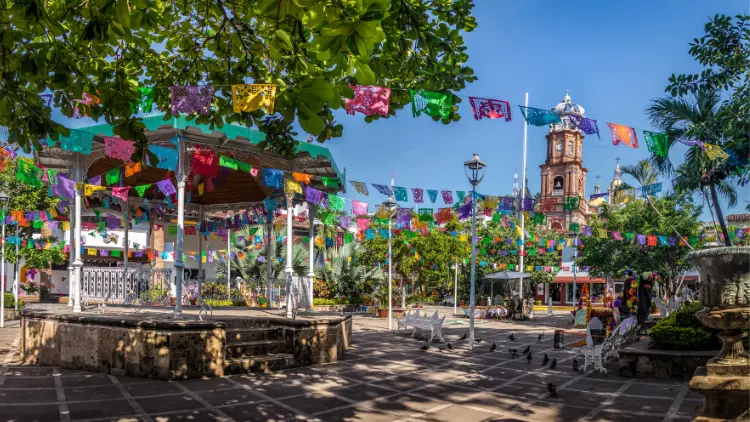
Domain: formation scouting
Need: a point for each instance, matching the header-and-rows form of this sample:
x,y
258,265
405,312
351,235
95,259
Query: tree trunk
x,y
720,216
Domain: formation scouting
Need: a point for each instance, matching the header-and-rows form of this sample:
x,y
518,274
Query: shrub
x,y
219,302
261,301
10,302
334,301
682,331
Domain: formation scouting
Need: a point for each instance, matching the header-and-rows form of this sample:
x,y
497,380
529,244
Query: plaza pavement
x,y
382,377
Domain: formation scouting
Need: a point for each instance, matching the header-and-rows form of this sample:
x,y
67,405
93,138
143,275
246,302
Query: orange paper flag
x,y
302,177
623,135
132,168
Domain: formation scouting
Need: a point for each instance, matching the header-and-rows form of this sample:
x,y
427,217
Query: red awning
x,y
579,280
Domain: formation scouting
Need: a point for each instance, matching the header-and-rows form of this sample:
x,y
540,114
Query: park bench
x,y
595,355
407,320
434,324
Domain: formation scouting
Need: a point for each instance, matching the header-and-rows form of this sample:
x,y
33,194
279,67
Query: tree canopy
x,y
609,257
311,49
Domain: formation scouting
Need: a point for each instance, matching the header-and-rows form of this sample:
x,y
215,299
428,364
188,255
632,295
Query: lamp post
x,y
390,205
455,288
474,169
4,200
575,268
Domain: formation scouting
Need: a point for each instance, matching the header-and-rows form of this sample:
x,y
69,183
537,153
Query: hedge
x,y
10,302
681,330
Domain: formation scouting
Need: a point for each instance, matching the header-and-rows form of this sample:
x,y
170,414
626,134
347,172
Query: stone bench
x,y
638,361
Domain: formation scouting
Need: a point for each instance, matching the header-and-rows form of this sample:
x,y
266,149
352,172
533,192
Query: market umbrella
x,y
507,275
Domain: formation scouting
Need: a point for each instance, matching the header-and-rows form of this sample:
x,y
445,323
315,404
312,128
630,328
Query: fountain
x,y
725,295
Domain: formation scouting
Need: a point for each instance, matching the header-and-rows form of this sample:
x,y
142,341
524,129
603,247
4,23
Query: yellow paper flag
x,y
89,190
253,97
291,186
715,152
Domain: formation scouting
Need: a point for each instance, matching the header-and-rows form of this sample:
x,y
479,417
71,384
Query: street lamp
x,y
474,169
455,288
4,200
575,269
390,205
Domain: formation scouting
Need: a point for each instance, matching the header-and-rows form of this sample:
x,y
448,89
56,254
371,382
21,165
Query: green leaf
x,y
364,75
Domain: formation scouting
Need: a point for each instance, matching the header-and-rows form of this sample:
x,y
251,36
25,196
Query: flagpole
x,y
520,206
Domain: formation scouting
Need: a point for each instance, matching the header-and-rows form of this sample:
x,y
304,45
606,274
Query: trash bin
x,y
558,341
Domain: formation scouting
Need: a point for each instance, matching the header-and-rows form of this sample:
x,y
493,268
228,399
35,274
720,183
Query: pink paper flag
x,y
118,148
363,223
359,208
616,236
369,100
121,193
447,196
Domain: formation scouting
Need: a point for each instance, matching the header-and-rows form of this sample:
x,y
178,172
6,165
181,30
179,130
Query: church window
x,y
557,186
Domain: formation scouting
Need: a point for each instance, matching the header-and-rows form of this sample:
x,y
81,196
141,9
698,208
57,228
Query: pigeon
x,y
514,355
575,365
479,340
512,337
526,350
450,346
441,348
528,358
463,337
552,389
493,347
553,364
512,351
545,360
425,347
540,337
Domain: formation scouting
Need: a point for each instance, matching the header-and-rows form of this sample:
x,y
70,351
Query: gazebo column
x,y
269,257
200,252
71,255
311,269
288,269
77,263
179,264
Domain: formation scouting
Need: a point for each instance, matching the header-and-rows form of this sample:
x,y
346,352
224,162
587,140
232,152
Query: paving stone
x,y
100,409
459,413
314,403
356,414
107,392
191,415
362,392
45,395
621,416
29,382
236,396
447,392
206,384
654,390
406,404
259,412
155,388
37,413
168,403
91,380
277,388
624,402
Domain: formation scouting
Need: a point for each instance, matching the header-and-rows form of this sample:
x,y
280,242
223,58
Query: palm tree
x,y
346,277
643,173
695,117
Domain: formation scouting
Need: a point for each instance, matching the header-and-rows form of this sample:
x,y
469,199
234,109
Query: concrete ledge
x,y
11,314
637,360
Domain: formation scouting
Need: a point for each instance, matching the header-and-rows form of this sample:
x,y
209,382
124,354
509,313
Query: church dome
x,y
569,107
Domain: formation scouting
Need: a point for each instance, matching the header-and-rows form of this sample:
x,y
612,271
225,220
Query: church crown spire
x,y
515,190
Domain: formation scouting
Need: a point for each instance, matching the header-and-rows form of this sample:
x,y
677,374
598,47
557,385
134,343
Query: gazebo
x,y
177,142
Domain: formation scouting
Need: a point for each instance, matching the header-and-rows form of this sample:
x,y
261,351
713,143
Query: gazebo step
x,y
255,348
241,335
262,363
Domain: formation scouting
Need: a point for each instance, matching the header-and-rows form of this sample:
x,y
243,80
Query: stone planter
x,y
382,312
725,296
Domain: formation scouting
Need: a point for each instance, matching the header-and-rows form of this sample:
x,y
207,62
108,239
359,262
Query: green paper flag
x,y
571,203
37,224
52,176
328,219
628,236
244,167
539,218
574,227
172,230
657,143
425,214
330,182
145,101
228,162
115,254
435,104
29,173
113,176
142,189
348,238
461,196
335,203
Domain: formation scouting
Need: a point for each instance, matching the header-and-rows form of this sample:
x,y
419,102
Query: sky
x,y
614,57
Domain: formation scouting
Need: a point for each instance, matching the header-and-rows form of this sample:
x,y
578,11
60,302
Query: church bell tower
x,y
563,174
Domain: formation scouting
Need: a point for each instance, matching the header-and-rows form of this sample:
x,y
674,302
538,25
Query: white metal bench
x,y
434,324
596,355
408,320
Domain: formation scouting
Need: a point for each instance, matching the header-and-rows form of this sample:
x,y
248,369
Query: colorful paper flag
x,y
714,152
249,98
623,135
191,99
447,197
142,189
493,109
418,195
657,143
302,177
369,100
400,194
584,124
538,116
360,187
436,104
273,178
359,208
385,190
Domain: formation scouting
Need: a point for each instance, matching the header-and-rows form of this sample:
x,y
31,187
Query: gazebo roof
x,y
235,141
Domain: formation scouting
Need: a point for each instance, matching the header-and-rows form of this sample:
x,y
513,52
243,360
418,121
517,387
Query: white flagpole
x,y
523,196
